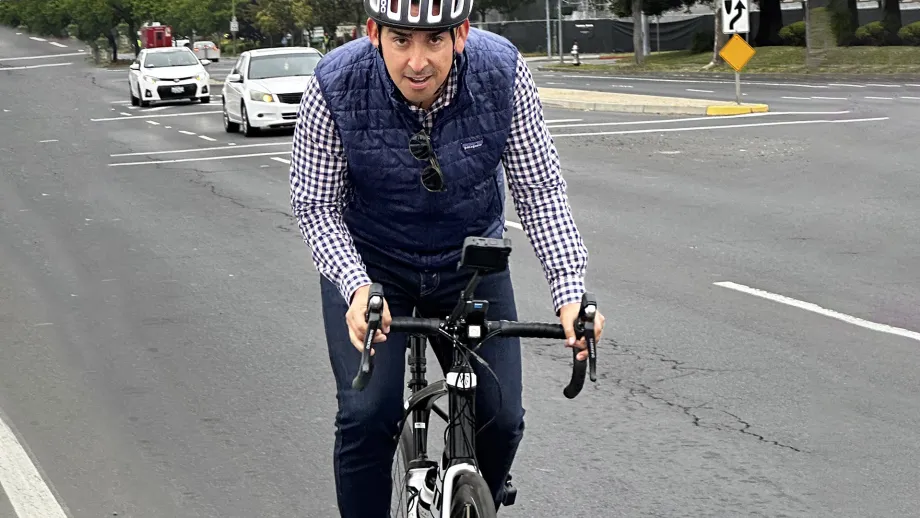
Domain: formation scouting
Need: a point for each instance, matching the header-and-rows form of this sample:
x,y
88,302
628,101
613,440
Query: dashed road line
x,y
207,138
198,150
155,123
56,44
201,159
46,56
107,119
36,38
37,66
880,98
182,132
282,160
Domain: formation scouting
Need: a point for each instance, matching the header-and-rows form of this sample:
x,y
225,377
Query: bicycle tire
x,y
471,492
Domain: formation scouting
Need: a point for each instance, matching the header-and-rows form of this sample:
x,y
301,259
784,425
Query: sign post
x,y
737,52
234,28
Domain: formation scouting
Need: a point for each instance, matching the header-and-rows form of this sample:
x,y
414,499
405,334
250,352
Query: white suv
x,y
168,74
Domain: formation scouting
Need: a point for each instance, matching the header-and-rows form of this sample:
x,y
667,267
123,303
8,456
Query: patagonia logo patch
x,y
473,144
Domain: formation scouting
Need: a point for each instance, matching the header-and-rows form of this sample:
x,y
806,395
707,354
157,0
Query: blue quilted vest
x,y
388,209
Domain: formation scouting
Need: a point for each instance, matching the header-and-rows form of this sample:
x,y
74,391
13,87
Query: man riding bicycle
x,y
403,142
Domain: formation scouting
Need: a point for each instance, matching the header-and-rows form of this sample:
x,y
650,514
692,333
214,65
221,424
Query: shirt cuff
x,y
351,281
567,290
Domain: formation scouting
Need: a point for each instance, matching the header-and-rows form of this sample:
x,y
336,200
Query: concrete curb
x,y
711,110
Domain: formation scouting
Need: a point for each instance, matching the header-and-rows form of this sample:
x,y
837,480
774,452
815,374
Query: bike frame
x,y
459,385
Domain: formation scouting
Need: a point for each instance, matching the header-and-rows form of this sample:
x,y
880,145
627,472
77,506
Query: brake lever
x,y
373,316
584,328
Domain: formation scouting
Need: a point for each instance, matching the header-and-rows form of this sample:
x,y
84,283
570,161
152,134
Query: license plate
x,y
178,89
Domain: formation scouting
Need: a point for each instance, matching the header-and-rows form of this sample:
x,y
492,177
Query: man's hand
x,y
357,326
567,315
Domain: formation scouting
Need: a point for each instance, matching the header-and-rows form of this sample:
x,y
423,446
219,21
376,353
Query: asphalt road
x,y
162,348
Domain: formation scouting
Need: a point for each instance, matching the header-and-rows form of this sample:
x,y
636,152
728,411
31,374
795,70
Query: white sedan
x,y
265,87
168,74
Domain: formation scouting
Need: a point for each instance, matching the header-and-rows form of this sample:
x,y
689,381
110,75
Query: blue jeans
x,y
366,421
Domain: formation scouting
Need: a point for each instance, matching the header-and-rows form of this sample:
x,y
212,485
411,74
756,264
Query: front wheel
x,y
472,498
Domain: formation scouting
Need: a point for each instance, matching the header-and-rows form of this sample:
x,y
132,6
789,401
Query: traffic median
x,y
633,103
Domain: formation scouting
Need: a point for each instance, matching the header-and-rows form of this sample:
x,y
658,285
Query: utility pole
x,y
559,31
549,36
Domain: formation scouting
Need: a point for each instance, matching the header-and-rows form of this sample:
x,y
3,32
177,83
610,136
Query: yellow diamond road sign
x,y
737,52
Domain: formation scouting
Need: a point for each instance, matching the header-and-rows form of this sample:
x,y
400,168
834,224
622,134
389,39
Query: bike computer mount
x,y
483,255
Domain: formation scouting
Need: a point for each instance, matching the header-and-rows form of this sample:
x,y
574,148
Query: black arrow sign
x,y
738,7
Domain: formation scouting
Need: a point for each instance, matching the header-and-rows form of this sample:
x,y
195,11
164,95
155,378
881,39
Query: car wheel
x,y
248,130
206,99
134,99
229,126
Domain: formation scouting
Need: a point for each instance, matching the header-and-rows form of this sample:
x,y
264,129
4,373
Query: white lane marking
x,y
909,97
195,150
551,83
21,481
46,56
796,98
44,141
154,116
155,123
37,38
207,138
180,131
879,98
56,44
157,109
808,306
830,98
36,66
168,127
557,121
883,85
282,160
514,224
692,119
700,91
126,114
202,159
691,81
120,102
725,126
845,85
911,84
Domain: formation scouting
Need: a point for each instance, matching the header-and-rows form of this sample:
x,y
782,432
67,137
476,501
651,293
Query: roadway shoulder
x,y
632,103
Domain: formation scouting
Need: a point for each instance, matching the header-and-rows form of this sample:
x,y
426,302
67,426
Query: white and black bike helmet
x,y
451,14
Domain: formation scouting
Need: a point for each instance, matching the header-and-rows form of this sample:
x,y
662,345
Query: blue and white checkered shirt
x,y
319,183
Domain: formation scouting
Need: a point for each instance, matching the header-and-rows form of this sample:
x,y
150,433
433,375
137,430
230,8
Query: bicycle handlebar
x,y
584,328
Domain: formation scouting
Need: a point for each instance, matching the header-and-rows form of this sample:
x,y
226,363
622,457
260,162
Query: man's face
x,y
418,61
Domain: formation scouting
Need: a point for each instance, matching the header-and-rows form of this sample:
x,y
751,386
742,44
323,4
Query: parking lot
x,y
163,350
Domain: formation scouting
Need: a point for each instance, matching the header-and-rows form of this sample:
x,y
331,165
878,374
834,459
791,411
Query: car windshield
x,y
282,65
178,58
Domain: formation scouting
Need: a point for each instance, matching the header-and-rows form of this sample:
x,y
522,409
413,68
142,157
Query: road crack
x,y
700,415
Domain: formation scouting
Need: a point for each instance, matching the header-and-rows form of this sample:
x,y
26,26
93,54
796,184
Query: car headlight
x,y
201,77
150,79
256,95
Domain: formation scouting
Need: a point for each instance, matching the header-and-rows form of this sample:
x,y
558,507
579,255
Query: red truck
x,y
156,35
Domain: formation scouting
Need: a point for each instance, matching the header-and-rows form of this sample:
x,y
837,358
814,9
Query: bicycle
x,y
455,484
